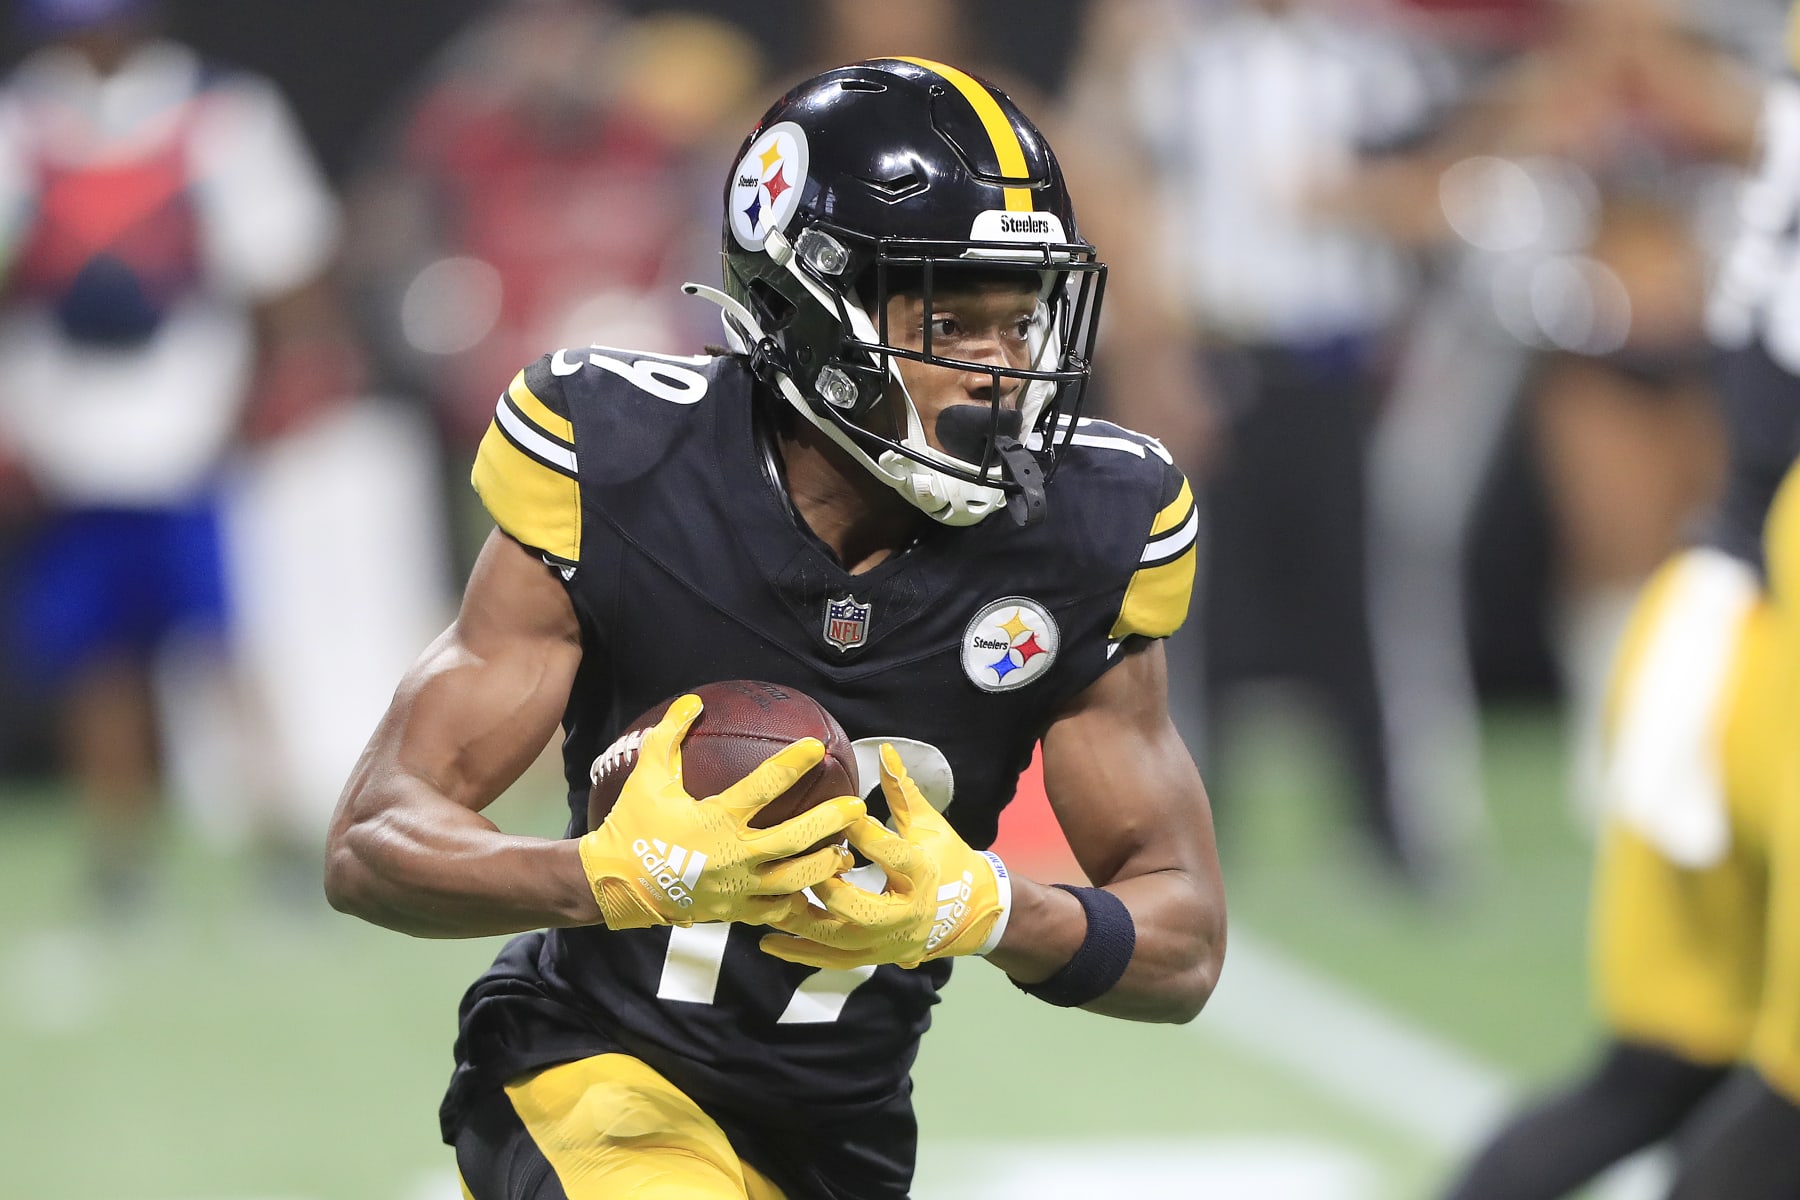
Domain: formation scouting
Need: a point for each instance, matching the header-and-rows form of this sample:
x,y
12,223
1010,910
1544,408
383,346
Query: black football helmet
x,y
903,175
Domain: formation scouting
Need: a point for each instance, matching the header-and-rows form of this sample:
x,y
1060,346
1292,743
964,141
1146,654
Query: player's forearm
x,y
1180,943
440,870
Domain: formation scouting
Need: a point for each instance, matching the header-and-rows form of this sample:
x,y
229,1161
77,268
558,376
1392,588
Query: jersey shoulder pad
x,y
606,377
526,471
1152,525
1162,583
637,413
578,420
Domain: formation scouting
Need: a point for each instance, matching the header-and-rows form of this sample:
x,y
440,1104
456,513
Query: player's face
x,y
984,323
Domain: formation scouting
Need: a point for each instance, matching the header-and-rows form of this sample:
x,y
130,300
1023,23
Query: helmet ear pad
x,y
872,385
773,310
811,338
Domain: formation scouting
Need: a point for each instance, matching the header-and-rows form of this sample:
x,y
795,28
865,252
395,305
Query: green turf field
x,y
226,1046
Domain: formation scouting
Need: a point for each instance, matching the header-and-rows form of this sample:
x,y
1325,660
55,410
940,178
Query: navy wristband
x,y
1099,961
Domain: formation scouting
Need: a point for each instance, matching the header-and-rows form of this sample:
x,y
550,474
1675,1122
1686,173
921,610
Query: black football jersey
x,y
1760,399
644,482
1751,318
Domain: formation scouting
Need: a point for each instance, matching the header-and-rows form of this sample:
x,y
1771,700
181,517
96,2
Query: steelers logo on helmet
x,y
766,187
1009,643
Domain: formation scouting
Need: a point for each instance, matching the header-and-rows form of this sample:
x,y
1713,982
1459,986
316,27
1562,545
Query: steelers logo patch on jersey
x,y
1009,643
766,187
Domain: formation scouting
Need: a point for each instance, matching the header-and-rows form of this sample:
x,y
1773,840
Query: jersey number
x,y
697,953
662,378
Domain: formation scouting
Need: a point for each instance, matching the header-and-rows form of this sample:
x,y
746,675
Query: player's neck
x,y
863,521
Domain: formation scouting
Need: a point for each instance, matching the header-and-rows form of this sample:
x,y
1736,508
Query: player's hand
x,y
662,857
941,897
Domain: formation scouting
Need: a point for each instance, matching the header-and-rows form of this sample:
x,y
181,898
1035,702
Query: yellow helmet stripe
x,y
1007,149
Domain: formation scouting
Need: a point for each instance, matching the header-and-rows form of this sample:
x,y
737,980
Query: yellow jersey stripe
x,y
1793,38
539,413
1175,513
532,440
1781,540
1157,598
1007,150
530,500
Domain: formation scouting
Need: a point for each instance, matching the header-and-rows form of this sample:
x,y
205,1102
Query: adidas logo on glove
x,y
953,906
675,869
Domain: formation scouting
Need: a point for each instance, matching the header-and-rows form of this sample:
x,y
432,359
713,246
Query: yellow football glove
x,y
941,897
662,857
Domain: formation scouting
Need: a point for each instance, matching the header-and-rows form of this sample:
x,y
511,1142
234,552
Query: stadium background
x,y
227,1046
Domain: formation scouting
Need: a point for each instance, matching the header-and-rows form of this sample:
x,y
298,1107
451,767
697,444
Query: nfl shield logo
x,y
846,623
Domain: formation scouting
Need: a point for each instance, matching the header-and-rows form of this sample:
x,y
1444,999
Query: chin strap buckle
x,y
767,360
1026,506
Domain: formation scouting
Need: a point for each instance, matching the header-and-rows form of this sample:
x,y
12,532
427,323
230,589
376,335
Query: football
x,y
743,721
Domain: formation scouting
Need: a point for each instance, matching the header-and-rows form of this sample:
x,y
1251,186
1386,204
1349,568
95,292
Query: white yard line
x,y
1351,1049
1216,1168
56,982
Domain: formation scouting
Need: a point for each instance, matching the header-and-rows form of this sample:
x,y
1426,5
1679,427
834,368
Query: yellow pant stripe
x,y
611,1126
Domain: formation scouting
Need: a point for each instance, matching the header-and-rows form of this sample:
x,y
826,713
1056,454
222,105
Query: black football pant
x,y
1634,1097
1744,1145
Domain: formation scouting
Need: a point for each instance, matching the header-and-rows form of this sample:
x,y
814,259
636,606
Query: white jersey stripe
x,y
528,436
1172,544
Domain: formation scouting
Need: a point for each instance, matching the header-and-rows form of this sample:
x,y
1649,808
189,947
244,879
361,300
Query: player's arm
x,y
408,847
1130,801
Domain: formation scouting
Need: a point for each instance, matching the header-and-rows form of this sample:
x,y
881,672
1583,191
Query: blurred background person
x,y
544,188
1695,958
1248,113
165,236
1638,124
1572,207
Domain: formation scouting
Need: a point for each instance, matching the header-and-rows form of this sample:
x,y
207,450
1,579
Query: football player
x,y
886,496
1696,952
